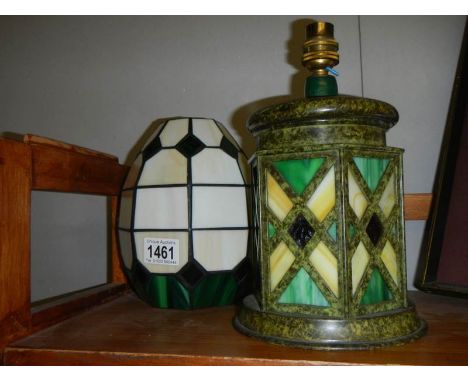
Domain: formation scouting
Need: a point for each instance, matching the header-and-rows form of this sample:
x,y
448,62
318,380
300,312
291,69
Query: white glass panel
x,y
166,167
173,132
164,208
125,212
215,166
126,248
182,238
207,131
220,250
219,207
131,179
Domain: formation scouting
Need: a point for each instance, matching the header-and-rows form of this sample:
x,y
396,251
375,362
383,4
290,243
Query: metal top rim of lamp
x,y
341,109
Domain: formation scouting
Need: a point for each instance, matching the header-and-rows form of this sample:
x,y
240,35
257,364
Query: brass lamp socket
x,y
320,49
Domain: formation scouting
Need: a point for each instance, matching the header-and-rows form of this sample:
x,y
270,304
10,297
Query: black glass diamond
x,y
229,148
191,274
374,229
152,149
301,231
190,146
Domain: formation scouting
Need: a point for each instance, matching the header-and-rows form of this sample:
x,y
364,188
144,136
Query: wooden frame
x,y
39,163
444,261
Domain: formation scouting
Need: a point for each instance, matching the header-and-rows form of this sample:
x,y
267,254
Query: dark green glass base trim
x,y
321,86
392,328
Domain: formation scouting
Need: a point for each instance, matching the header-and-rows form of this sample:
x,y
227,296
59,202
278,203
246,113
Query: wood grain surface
x,y
15,206
128,332
417,206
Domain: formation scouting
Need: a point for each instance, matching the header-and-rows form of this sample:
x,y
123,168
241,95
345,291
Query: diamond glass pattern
x,y
190,145
280,261
191,274
374,229
388,257
323,199
278,201
377,290
298,173
371,170
388,199
301,231
356,197
326,265
303,290
332,231
358,265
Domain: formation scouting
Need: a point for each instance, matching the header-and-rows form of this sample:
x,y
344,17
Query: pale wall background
x,y
99,82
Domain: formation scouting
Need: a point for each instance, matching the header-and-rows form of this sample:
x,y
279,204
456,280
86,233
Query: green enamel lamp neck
x,y
320,54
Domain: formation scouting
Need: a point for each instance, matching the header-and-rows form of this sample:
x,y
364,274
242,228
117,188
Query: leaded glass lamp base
x,y
396,327
329,227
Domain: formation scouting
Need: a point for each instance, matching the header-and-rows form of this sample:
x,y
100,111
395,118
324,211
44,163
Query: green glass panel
x,y
215,290
332,231
352,231
167,292
298,173
303,290
371,170
377,290
271,230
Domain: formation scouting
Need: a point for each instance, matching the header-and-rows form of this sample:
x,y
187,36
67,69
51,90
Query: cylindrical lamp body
x,y
330,248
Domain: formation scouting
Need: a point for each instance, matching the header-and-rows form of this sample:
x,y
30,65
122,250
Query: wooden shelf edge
x,y
49,313
52,357
417,206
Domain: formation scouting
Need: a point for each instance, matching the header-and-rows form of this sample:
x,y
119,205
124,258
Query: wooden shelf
x,y
126,331
109,325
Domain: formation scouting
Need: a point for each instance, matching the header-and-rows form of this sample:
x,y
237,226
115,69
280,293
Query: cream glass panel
x,y
219,250
166,167
163,208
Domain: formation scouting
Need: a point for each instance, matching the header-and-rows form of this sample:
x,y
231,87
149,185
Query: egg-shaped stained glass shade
x,y
183,220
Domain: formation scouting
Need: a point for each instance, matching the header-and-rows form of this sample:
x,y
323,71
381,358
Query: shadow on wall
x,y
241,115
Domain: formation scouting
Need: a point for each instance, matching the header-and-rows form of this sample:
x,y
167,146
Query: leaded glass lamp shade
x,y
184,221
330,267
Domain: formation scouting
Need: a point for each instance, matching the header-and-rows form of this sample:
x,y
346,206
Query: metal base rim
x,y
245,322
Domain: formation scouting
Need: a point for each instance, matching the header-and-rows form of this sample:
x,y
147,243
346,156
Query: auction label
x,y
161,251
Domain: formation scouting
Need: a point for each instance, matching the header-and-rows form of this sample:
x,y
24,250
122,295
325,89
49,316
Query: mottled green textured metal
x,y
322,120
349,134
319,86
396,327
